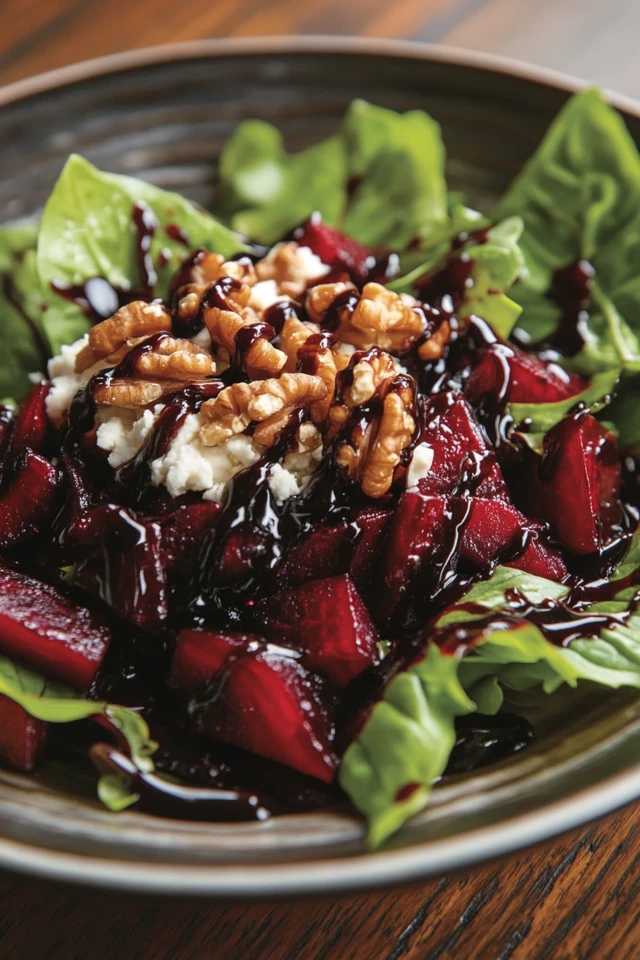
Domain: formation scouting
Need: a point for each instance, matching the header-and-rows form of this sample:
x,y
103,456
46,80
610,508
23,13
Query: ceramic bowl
x,y
163,114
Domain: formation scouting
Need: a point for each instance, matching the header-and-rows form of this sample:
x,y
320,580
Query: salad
x,y
292,493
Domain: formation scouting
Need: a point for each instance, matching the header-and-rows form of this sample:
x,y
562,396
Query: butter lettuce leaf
x,y
57,703
579,197
496,263
23,339
87,230
394,163
538,418
404,746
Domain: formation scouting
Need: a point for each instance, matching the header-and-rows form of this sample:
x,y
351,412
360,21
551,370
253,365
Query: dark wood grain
x,y
573,899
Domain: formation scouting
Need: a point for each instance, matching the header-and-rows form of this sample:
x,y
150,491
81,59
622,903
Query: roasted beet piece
x,y
416,532
22,737
463,461
257,697
45,630
201,654
33,429
327,621
324,551
27,502
123,563
183,532
334,248
496,531
505,374
371,525
575,486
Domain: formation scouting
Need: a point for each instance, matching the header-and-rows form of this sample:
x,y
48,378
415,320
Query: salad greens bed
x,y
381,179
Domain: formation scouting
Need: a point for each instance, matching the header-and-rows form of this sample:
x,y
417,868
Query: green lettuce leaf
x,y
23,340
87,230
579,197
396,161
496,265
541,417
405,744
57,703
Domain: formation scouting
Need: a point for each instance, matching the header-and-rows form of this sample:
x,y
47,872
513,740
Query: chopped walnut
x,y
285,264
174,359
205,269
378,317
433,346
237,406
294,333
374,446
133,392
135,319
229,318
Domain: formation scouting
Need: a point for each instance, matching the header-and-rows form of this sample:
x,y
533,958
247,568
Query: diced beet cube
x,y
335,249
326,620
124,563
201,654
323,552
417,530
372,525
183,532
270,705
33,429
494,530
575,486
463,460
42,628
509,375
27,502
22,737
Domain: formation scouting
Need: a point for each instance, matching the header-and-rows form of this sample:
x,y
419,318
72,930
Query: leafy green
x,y
23,339
497,262
541,417
404,746
57,703
396,161
87,230
579,197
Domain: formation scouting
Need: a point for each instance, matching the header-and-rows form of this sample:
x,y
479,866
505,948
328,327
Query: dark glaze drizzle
x,y
97,297
571,290
163,797
11,295
485,739
178,234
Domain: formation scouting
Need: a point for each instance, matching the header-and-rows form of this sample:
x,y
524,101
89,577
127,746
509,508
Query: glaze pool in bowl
x,y
163,115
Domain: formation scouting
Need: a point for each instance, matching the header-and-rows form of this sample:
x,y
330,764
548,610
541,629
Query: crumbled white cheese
x,y
264,295
203,339
419,465
122,434
347,348
65,382
309,266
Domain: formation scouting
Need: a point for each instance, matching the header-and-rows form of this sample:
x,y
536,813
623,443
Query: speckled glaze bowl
x,y
163,114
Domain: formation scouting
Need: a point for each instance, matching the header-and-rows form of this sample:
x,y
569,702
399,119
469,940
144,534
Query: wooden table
x,y
572,899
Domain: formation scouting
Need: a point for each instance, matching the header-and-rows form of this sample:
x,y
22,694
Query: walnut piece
x,y
287,267
375,443
205,269
135,319
237,406
175,359
228,317
133,392
433,346
378,317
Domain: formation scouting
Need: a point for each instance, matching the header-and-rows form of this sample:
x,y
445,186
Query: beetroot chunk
x,y
42,628
326,620
26,504
323,552
201,654
495,530
33,429
264,700
22,737
335,249
506,374
463,461
575,486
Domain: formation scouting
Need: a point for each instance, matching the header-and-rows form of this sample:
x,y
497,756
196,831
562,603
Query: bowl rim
x,y
369,870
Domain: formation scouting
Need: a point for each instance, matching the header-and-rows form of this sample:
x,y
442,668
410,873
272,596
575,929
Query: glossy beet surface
x,y
42,628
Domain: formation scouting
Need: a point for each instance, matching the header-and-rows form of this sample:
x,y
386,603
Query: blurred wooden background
x,y
571,899
597,39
